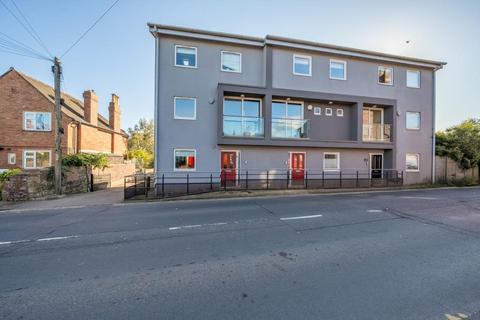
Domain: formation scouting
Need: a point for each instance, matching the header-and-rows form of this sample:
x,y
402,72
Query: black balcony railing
x,y
173,184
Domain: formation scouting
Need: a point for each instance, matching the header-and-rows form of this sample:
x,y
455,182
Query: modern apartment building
x,y
232,102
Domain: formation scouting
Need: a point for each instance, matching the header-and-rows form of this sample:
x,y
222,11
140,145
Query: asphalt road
x,y
389,255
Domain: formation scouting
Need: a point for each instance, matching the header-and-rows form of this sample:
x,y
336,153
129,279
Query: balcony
x,y
377,133
290,128
235,126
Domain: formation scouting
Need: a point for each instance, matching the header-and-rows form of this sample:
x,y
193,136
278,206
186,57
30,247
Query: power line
x,y
21,54
19,46
21,23
90,28
32,29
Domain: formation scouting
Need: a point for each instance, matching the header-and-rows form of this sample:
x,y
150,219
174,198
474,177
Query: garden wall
x,y
447,171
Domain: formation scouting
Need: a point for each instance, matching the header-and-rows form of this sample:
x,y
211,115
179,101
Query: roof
x,y
71,106
289,42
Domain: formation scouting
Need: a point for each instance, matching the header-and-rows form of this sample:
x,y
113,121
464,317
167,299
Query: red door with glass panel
x,y
297,165
229,165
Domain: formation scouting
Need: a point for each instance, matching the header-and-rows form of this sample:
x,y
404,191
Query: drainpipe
x,y
434,99
157,101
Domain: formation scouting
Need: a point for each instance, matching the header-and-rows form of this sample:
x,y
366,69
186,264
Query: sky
x,y
117,55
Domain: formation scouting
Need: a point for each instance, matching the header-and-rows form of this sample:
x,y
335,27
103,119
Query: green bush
x,y
9,173
92,160
463,182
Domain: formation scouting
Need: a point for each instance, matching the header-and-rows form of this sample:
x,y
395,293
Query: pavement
x,y
368,255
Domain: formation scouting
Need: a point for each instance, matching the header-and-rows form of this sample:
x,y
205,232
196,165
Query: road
x,y
385,255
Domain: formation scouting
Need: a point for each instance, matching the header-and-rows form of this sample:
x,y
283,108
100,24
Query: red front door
x,y
297,164
229,165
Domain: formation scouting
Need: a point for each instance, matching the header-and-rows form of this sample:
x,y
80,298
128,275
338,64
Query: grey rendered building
x,y
239,103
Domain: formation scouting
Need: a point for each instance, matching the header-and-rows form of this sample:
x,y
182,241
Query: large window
x,y
412,162
413,79
231,61
37,121
242,117
185,159
385,75
338,70
302,65
185,56
331,161
413,120
287,120
35,159
185,108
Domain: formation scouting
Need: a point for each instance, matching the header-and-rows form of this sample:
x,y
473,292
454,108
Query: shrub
x,y
9,173
87,160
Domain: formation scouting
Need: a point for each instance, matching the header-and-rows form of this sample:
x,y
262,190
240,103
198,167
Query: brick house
x,y
28,124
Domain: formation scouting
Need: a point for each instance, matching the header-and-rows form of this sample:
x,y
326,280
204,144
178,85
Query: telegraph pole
x,y
57,71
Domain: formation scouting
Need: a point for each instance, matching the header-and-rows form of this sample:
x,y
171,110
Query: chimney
x,y
90,103
114,113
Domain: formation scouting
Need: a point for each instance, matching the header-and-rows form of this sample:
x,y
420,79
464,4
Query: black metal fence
x,y
172,184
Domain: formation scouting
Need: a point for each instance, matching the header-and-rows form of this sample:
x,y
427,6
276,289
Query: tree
x,y
140,142
461,143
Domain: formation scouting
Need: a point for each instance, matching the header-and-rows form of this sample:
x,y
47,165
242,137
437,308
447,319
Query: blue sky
x,y
117,56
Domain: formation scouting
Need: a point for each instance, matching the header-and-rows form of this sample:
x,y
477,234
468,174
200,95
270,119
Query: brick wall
x,y
117,172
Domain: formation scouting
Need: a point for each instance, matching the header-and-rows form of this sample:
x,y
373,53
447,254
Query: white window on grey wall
x,y
35,159
317,111
37,121
413,120
231,61
302,65
185,108
385,75
331,161
339,112
185,159
413,79
338,69
412,162
12,158
185,56
328,112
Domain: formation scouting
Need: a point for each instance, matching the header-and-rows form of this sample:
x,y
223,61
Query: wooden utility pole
x,y
57,71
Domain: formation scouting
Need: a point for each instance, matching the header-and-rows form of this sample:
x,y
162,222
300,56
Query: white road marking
x,y
420,198
302,217
185,227
57,238
374,210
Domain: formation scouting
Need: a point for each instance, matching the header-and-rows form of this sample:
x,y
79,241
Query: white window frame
x,y
194,108
182,65
378,76
35,125
10,156
418,162
338,158
329,112
419,120
340,112
419,78
175,160
309,65
231,52
344,69
35,158
317,111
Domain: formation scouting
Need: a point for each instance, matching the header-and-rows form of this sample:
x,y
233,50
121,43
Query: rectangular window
x,y
12,158
331,161
242,117
36,159
231,61
317,111
302,65
185,108
338,70
37,121
185,56
413,120
413,79
185,159
328,112
385,75
339,112
412,162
